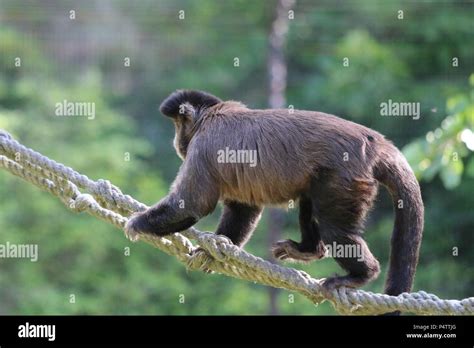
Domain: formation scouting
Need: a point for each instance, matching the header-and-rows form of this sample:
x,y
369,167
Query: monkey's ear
x,y
186,110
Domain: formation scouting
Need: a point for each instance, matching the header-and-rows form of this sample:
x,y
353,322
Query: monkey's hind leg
x,y
354,256
311,246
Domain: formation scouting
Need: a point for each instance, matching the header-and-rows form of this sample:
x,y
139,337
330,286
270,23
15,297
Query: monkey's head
x,y
186,108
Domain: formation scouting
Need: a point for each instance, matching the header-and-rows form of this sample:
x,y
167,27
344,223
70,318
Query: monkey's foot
x,y
289,250
332,283
199,258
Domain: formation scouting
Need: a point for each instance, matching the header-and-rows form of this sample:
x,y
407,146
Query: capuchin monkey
x,y
330,165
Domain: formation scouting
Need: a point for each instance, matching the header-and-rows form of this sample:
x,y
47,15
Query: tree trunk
x,y
277,71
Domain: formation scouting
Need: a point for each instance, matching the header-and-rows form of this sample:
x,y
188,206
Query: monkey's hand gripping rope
x,y
106,201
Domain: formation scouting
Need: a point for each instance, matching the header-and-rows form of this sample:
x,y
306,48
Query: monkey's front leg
x,y
238,221
164,218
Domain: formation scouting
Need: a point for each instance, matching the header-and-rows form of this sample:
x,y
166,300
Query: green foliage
x,y
443,150
372,72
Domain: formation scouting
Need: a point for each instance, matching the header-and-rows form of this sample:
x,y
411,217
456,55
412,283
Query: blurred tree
x,y
277,72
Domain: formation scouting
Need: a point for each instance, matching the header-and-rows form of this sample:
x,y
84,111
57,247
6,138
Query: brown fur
x,y
332,165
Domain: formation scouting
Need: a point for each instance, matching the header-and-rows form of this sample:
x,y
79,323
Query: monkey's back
x,y
291,147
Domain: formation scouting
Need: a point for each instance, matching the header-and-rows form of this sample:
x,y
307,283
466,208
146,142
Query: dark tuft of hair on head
x,y
197,99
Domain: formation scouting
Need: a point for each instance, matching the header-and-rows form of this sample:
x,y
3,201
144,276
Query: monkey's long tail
x,y
395,173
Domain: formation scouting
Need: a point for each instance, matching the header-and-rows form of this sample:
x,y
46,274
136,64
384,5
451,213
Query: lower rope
x,y
216,253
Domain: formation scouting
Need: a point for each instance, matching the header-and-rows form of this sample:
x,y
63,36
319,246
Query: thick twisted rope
x,y
106,201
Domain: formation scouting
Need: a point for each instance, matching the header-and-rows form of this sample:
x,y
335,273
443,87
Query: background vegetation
x,y
82,59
